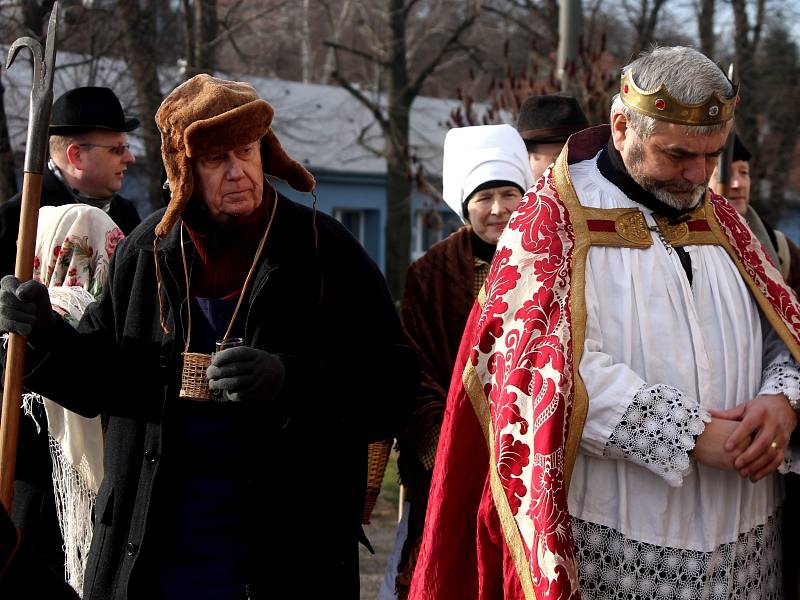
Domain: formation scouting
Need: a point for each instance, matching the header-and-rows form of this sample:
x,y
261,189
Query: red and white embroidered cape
x,y
498,525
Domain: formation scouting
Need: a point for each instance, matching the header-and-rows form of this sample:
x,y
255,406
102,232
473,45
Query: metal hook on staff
x,y
44,61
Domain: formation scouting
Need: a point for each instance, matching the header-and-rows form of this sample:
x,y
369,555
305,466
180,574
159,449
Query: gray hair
x,y
688,75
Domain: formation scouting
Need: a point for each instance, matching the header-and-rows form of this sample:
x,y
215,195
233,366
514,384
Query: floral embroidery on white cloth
x,y
74,246
657,432
614,567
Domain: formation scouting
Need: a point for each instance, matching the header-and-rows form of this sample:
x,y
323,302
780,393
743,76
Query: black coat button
x,y
163,361
151,457
131,549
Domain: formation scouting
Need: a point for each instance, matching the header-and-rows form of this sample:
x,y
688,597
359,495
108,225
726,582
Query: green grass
x,y
390,487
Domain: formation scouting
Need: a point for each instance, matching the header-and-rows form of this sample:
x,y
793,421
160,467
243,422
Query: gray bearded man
x,y
627,384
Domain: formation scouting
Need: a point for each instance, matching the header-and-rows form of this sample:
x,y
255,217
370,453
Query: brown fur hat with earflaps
x,y
205,116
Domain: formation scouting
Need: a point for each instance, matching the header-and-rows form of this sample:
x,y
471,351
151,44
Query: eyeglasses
x,y
117,150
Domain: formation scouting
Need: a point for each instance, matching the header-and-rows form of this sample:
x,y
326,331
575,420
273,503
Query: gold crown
x,y
660,105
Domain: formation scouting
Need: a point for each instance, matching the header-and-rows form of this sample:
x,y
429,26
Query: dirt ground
x,y
381,534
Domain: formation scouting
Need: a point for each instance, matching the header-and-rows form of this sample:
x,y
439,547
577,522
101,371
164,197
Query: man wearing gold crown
x,y
626,386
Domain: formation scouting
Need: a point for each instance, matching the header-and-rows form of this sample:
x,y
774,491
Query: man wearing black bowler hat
x,y
545,123
89,154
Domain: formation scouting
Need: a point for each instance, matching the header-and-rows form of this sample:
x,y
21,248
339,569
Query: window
x,y
431,227
353,219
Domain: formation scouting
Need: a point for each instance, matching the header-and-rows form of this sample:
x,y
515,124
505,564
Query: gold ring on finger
x,y
774,445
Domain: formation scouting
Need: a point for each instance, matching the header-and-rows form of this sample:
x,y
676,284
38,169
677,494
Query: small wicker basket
x,y
377,459
194,382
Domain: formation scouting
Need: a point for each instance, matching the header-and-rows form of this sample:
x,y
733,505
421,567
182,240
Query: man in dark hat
x,y
545,123
230,472
89,154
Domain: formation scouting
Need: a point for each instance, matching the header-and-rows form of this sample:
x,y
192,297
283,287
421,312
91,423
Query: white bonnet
x,y
475,155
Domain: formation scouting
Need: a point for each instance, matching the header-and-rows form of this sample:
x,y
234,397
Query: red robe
x,y
498,524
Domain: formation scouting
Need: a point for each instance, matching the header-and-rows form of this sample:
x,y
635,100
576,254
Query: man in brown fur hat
x,y
181,512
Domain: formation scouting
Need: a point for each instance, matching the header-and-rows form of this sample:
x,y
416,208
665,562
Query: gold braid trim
x,y
577,306
480,404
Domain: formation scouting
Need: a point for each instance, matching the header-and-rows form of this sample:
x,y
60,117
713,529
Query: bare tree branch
x,y
362,141
523,23
336,25
705,26
759,24
445,48
357,52
229,30
371,105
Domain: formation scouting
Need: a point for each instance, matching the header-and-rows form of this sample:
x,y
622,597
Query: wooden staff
x,y
44,61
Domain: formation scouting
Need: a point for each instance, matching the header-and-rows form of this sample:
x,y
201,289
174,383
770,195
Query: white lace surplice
x,y
659,353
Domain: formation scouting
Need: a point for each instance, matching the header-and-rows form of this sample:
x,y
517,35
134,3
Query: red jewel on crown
x,y
625,89
660,104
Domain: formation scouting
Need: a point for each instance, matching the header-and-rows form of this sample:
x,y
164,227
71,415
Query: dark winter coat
x,y
349,380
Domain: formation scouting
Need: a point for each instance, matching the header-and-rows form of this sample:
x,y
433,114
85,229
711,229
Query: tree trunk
x,y
550,8
398,223
746,123
206,26
140,46
569,29
389,59
35,15
8,176
705,27
646,25
200,26
398,189
305,42
189,40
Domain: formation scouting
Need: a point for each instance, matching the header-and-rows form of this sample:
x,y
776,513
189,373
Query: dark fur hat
x,y
206,115
550,119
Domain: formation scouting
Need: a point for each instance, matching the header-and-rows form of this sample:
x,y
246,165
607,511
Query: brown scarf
x,y
223,254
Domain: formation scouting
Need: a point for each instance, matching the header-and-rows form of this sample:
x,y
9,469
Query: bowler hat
x,y
550,119
740,151
85,108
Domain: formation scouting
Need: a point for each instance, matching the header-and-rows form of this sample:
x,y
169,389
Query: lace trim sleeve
x,y
782,376
658,431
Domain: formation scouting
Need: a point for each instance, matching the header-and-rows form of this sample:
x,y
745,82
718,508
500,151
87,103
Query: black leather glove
x,y
24,307
245,374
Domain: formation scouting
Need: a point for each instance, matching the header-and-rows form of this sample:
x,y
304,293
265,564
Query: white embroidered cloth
x,y
658,354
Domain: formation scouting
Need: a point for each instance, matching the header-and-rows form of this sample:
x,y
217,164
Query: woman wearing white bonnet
x,y
486,173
